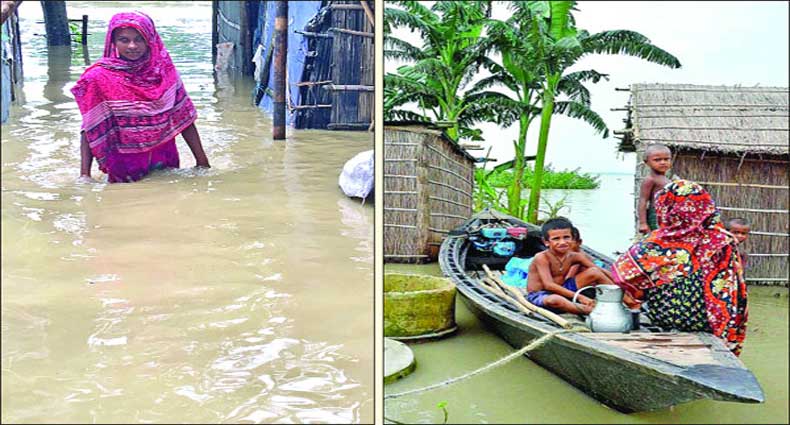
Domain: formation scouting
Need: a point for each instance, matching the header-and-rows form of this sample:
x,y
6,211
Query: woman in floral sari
x,y
133,104
688,270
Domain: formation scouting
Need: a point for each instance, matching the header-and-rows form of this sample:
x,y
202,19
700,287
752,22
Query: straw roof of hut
x,y
726,119
431,128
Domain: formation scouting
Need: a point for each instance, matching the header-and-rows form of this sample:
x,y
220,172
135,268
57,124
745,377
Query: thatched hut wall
x,y
428,183
734,141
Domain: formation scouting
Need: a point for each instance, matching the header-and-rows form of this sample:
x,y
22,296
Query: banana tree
x,y
453,49
559,45
522,73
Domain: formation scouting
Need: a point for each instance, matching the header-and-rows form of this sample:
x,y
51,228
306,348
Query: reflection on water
x,y
217,295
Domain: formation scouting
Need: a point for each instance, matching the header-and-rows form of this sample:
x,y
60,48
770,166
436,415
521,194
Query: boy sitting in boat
x,y
576,246
547,286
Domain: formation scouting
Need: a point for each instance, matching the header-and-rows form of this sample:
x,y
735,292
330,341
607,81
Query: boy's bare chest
x,y
658,183
558,265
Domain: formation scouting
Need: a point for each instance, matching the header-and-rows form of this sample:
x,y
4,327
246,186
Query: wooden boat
x,y
646,369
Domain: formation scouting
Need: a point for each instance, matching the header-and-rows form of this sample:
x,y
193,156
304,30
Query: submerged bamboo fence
x,y
733,141
428,184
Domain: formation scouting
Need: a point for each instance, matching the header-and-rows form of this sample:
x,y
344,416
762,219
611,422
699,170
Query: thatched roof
x,y
429,128
709,118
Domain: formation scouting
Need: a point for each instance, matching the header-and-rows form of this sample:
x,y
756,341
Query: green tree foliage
x,y
437,73
537,44
558,45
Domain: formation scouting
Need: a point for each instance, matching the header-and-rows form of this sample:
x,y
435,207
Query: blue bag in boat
x,y
494,232
504,248
516,272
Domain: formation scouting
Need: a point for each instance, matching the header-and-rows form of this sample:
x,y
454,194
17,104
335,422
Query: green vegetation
x,y
537,44
438,72
76,31
567,179
489,184
553,209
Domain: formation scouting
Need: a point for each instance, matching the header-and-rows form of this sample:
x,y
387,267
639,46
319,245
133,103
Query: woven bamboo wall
x,y
427,192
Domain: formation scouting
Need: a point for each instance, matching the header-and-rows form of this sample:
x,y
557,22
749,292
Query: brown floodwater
x,y
521,392
243,293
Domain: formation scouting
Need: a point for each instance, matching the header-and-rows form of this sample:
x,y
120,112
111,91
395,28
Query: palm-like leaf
x,y
630,43
401,49
453,49
581,111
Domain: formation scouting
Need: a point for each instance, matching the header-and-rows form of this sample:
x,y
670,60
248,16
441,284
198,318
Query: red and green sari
x,y
688,270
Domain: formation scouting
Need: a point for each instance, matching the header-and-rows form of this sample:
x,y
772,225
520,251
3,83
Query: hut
x,y
428,184
733,141
330,68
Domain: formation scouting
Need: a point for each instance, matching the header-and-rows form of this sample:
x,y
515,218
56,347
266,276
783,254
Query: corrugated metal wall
x,y
235,22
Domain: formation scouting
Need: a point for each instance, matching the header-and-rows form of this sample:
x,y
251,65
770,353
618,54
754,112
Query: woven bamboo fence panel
x,y
428,187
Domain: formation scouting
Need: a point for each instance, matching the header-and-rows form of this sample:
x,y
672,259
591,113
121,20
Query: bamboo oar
x,y
494,289
519,299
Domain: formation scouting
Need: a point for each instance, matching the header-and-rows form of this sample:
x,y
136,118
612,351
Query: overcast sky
x,y
717,43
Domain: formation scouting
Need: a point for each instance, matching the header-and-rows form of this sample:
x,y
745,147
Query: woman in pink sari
x,y
133,104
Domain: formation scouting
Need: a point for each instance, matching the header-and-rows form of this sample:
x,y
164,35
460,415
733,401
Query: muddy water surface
x,y
242,293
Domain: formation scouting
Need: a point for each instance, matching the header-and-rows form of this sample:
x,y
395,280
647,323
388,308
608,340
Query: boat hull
x,y
625,380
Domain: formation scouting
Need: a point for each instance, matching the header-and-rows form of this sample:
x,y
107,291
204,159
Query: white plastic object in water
x,y
356,180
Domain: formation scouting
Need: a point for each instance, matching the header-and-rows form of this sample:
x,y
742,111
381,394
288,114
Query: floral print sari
x,y
688,270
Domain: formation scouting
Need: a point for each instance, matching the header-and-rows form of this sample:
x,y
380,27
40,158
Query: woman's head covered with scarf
x,y
690,244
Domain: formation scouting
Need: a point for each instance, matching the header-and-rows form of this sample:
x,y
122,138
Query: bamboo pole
x,y
280,59
313,34
311,106
313,83
84,30
348,87
761,186
335,6
757,210
352,32
524,304
368,12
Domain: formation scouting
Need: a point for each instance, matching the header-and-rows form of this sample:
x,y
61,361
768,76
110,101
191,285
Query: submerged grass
x,y
566,179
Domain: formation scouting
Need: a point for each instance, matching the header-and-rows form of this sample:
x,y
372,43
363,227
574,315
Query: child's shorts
x,y
537,297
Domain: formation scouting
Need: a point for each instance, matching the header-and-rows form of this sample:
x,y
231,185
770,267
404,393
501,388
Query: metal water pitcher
x,y
609,314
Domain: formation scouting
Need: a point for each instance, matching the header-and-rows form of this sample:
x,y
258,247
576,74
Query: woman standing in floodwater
x,y
133,104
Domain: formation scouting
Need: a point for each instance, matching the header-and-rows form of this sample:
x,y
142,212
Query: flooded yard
x,y
215,295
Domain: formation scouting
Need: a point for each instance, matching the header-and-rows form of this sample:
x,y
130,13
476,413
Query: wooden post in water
x,y
280,60
84,30
56,23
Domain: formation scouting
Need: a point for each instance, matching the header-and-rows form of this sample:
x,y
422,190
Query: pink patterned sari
x,y
132,111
